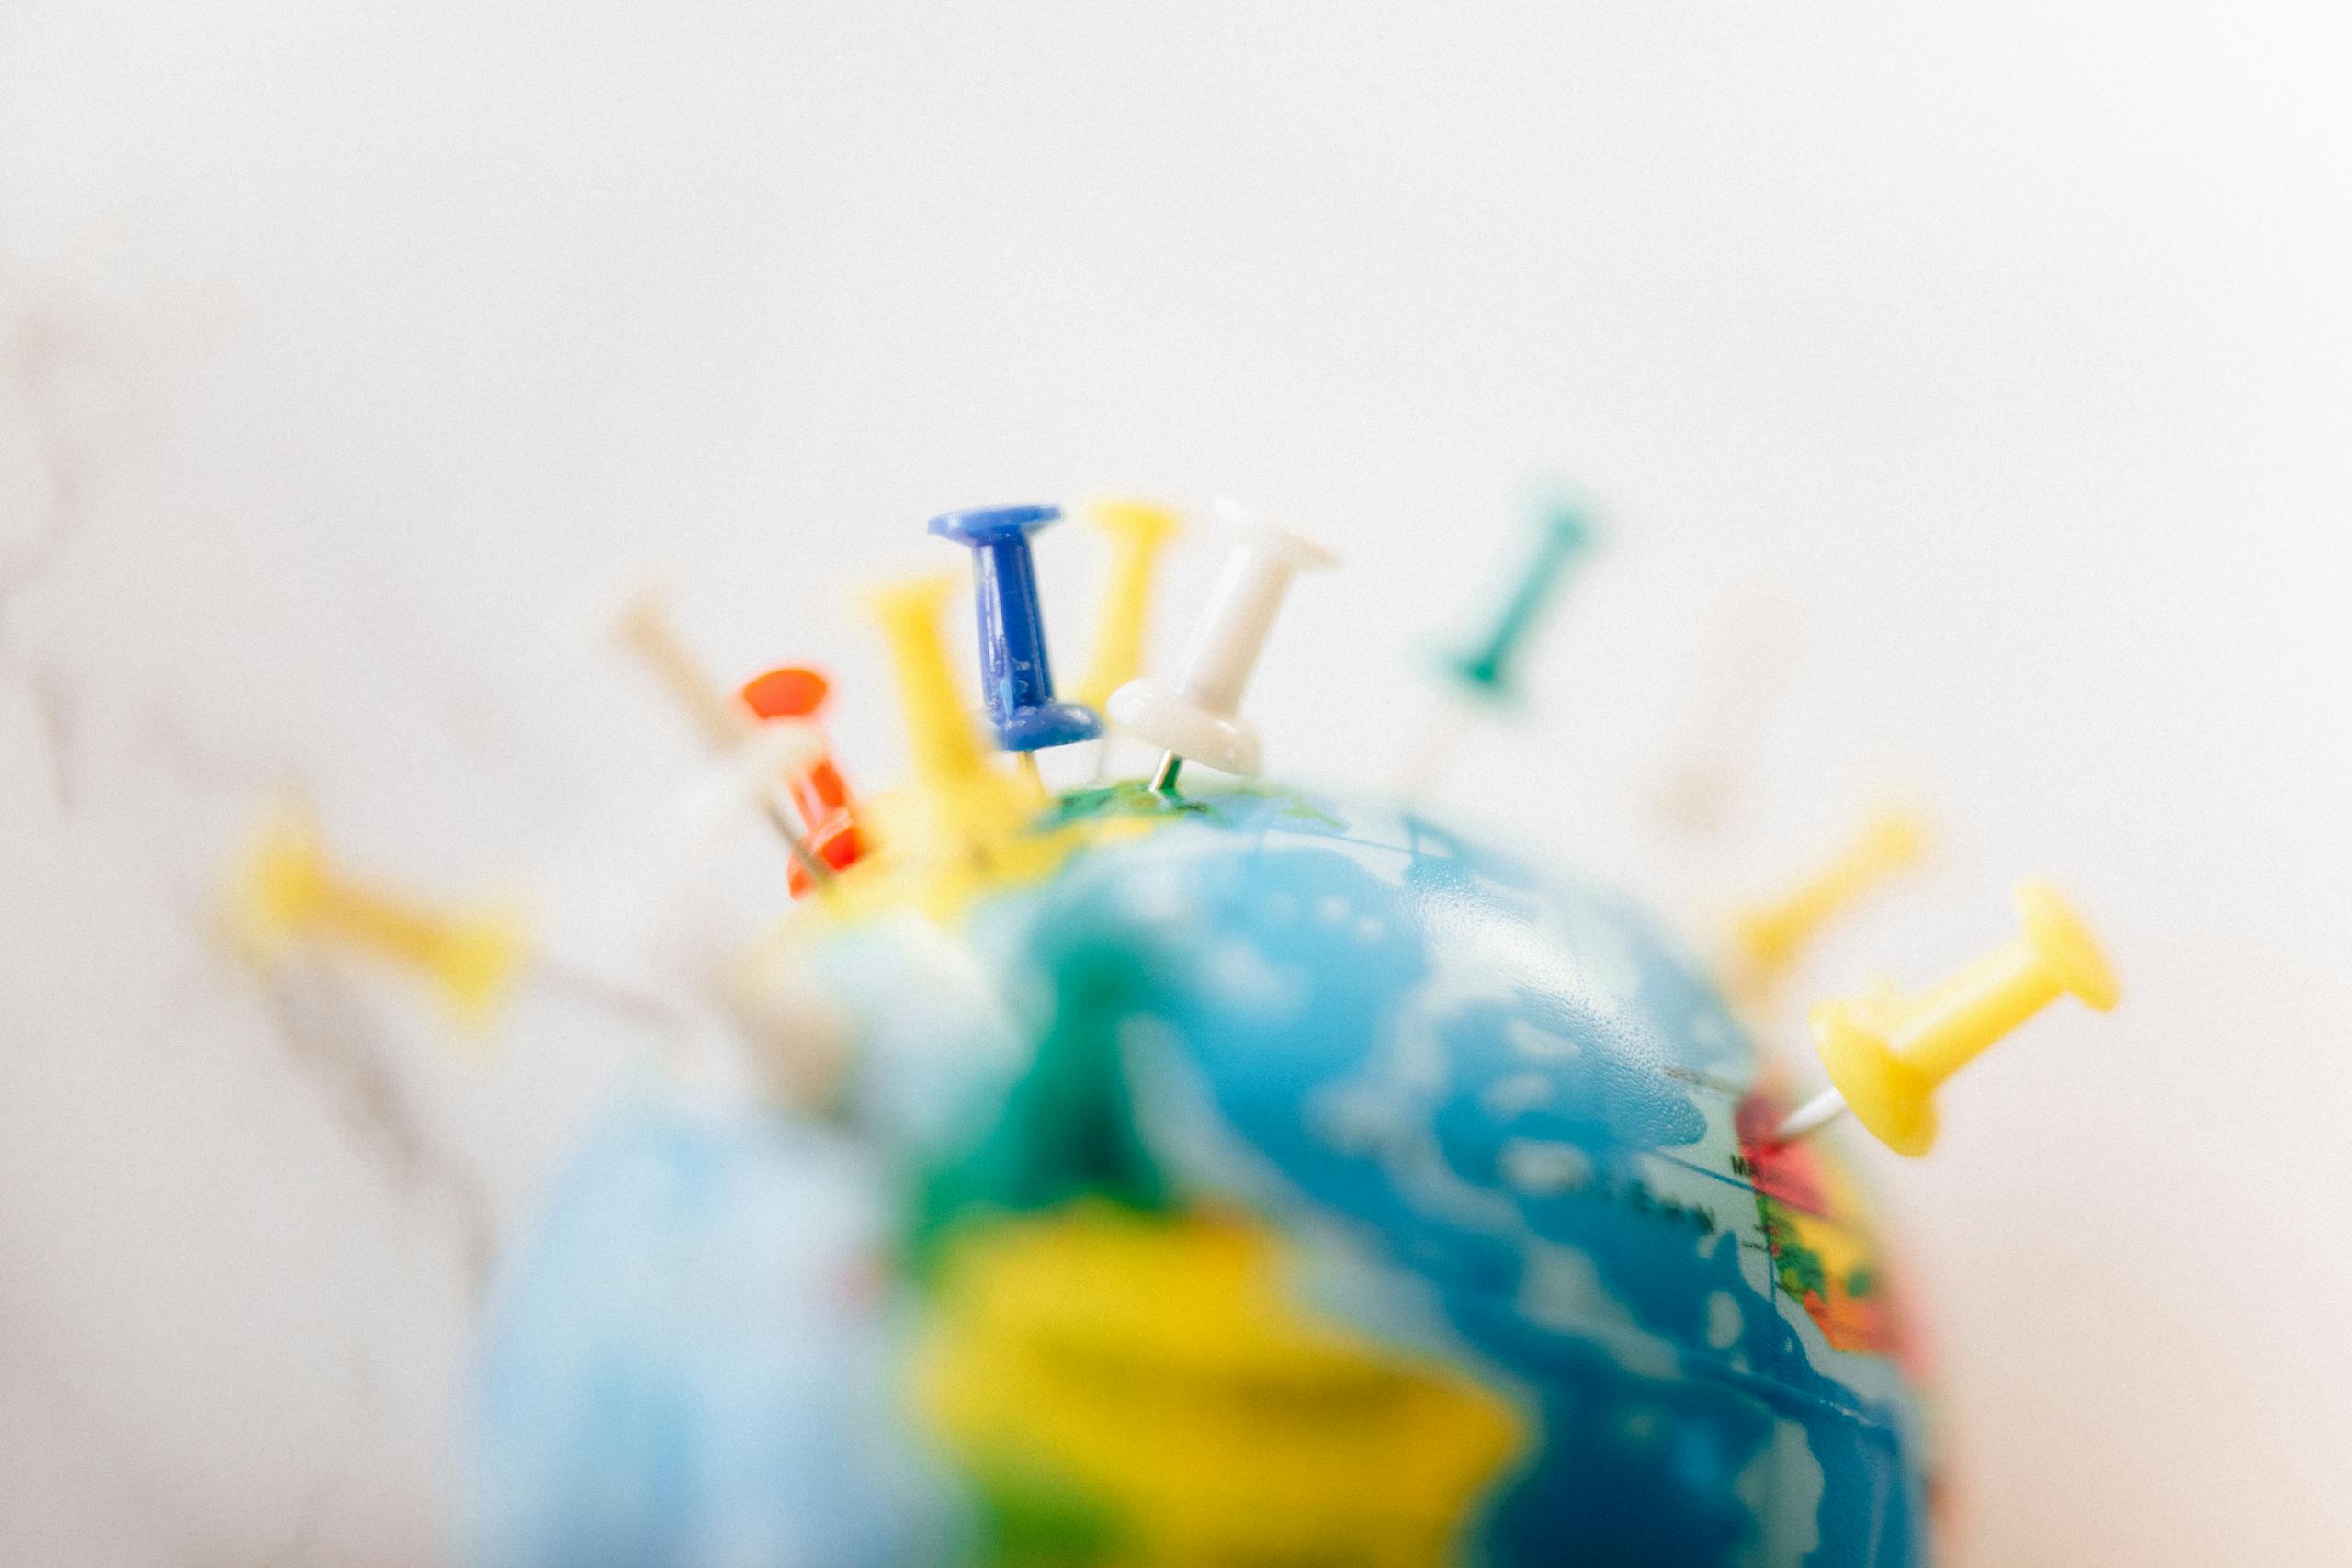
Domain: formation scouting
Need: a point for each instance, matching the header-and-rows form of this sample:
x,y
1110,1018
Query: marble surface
x,y
1967,391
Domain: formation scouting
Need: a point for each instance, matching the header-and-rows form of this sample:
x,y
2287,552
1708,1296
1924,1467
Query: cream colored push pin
x,y
1886,1058
1769,938
287,892
724,720
1196,716
644,626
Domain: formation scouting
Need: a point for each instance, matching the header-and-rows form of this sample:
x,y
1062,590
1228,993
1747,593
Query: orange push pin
x,y
289,891
1887,1057
819,794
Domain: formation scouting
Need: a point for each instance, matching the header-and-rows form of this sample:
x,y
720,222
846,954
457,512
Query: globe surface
x,y
1253,1179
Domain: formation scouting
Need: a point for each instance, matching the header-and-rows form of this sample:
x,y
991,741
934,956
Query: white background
x,y
1985,368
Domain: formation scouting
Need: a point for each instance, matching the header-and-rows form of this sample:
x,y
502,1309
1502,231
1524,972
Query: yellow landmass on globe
x,y
1154,1375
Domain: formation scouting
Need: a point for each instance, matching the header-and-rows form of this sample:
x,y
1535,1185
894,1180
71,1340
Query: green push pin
x,y
1484,674
1485,670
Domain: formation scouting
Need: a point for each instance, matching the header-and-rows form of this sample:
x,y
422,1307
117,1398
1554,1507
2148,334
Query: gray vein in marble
x,y
611,997
35,355
55,708
331,1034
34,358
203,767
299,1543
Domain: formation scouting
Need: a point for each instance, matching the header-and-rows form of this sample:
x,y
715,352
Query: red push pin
x,y
818,792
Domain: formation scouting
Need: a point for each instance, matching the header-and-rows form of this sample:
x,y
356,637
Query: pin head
x,y
1895,1103
1272,539
2066,945
790,698
1140,522
993,525
789,693
285,881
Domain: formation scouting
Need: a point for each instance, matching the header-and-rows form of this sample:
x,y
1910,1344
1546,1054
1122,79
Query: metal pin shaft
x,y
1811,1117
819,871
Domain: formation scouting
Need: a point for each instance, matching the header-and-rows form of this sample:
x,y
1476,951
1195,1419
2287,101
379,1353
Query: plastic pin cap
x,y
1888,1059
290,891
1016,675
1196,714
1770,937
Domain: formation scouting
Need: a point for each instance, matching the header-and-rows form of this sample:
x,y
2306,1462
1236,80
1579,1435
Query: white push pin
x,y
1197,716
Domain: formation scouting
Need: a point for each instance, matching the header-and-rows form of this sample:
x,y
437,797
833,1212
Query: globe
x,y
1247,1178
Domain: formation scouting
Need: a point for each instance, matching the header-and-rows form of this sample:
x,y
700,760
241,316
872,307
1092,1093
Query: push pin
x,y
1886,1057
1488,667
819,794
725,722
289,891
1016,677
1769,938
1139,531
954,781
1197,716
645,628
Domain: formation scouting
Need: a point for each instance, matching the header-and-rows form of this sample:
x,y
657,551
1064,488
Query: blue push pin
x,y
1014,675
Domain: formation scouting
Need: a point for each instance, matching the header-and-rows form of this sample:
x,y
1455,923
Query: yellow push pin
x,y
962,803
1139,531
1769,938
289,891
1886,1058
944,741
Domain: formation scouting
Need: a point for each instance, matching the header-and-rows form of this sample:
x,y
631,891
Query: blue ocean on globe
x,y
1271,1178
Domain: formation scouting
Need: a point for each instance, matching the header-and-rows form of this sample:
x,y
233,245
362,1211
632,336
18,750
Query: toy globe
x,y
1238,1177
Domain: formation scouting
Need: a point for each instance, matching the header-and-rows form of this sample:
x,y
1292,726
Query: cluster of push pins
x,y
964,821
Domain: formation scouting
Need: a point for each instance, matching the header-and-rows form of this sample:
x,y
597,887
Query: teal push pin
x,y
1484,674
1485,670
